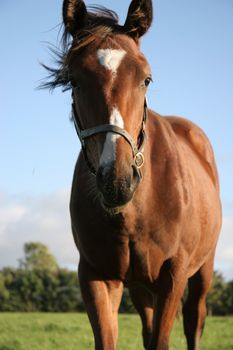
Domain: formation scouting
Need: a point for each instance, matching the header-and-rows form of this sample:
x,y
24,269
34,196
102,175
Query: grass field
x,y
73,332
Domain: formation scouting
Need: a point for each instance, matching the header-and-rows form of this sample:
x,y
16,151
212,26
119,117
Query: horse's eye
x,y
77,87
148,81
74,84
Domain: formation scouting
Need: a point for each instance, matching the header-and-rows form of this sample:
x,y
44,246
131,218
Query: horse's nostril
x,y
100,172
100,178
105,177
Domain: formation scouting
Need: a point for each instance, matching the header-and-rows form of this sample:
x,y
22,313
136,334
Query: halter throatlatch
x,y
137,150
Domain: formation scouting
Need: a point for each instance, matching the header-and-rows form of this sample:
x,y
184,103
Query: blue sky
x,y
190,50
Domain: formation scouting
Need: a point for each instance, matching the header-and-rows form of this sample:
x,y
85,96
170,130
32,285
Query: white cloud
x,y
44,219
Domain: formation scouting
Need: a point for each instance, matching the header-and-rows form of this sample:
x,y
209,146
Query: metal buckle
x,y
139,160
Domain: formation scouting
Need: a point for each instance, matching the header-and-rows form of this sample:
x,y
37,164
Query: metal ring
x,y
139,160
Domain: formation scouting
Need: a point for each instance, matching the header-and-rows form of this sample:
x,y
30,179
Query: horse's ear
x,y
139,18
74,15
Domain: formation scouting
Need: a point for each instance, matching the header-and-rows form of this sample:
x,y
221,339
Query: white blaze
x,y
109,150
110,58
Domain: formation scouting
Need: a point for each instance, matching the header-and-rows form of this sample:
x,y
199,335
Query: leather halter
x,y
137,150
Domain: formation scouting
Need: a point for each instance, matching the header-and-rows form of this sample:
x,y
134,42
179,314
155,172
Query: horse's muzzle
x,y
117,190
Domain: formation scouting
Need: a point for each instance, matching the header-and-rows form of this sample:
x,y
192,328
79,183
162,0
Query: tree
x,y
38,258
69,293
126,305
228,298
4,293
216,299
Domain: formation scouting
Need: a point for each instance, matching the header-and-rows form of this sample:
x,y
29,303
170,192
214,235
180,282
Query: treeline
x,y
39,284
22,290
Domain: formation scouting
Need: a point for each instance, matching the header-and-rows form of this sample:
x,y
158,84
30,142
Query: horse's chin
x,y
112,210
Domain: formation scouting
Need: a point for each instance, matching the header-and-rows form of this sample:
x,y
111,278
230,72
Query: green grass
x,y
73,332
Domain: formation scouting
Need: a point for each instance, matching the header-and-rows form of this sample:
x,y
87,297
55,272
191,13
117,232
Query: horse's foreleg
x,y
194,310
144,303
171,285
102,299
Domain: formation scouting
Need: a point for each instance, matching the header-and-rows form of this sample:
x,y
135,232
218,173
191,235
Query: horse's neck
x,y
165,173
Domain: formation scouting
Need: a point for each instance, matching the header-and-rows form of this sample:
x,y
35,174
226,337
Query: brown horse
x,y
145,205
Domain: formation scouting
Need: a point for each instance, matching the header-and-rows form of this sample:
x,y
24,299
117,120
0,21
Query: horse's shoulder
x,y
198,141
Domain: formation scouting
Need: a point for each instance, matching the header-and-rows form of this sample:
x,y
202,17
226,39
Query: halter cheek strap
x,y
137,150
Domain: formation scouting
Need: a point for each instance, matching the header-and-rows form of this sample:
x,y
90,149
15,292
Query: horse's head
x,y
109,78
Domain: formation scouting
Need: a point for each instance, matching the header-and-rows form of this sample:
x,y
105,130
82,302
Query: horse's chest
x,y
120,257
132,260
146,259
120,248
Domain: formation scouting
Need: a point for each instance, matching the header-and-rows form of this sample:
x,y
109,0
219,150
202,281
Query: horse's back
x,y
197,140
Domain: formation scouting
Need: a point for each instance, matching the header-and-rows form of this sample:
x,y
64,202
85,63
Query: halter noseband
x,y
137,150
